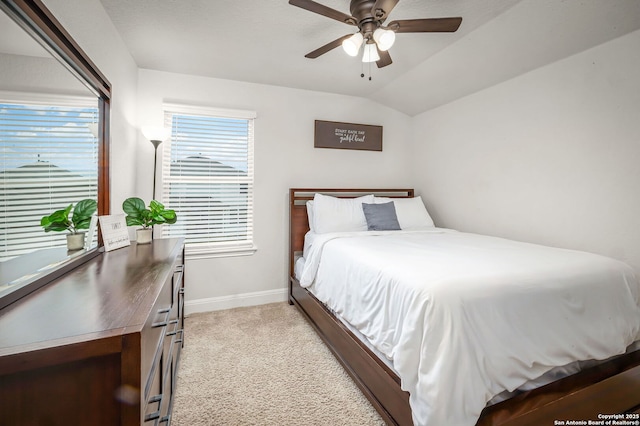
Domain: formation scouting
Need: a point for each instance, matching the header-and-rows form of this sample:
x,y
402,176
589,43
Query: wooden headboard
x,y
299,222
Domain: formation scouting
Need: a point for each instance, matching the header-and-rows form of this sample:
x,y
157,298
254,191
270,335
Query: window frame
x,y
212,249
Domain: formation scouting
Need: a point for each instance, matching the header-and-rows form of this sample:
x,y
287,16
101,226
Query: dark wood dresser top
x,y
109,295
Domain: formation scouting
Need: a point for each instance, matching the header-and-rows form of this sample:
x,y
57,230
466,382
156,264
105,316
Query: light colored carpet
x,y
263,365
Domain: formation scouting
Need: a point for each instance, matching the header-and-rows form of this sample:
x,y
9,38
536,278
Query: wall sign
x,y
332,134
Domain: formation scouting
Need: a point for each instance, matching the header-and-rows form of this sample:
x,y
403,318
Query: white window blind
x,y
207,178
48,159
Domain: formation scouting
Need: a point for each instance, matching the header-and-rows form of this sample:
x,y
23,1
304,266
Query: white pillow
x,y
310,216
331,214
412,214
382,200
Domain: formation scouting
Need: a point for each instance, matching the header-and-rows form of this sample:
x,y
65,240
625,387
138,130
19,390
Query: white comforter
x,y
464,317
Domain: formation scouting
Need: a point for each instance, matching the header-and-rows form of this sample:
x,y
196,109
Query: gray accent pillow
x,y
381,217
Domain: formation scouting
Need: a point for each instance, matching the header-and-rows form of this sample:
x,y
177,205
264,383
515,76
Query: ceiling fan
x,y
369,16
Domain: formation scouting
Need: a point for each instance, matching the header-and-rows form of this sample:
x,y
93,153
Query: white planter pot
x,y
144,235
75,241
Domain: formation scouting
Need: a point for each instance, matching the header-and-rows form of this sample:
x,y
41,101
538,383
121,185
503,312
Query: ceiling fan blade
x,y
383,8
385,58
327,47
432,25
314,7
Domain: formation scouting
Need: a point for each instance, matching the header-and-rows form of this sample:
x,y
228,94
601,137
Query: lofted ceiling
x,y
265,42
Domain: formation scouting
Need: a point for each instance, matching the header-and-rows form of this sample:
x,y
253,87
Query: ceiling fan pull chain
x,y
362,70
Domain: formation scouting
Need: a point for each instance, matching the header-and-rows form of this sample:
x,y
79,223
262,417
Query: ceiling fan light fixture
x,y
352,44
384,38
370,53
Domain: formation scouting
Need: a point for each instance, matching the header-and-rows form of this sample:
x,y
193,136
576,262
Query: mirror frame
x,y
39,22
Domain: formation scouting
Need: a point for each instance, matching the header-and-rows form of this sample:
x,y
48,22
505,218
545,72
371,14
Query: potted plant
x,y
139,215
59,221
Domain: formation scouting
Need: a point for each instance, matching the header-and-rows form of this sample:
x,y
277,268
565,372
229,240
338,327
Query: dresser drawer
x,y
160,402
176,282
152,336
153,402
171,355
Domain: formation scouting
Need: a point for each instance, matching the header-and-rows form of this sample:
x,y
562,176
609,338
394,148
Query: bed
x,y
609,388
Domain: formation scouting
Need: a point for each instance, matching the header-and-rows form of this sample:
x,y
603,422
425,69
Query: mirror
x,y
54,110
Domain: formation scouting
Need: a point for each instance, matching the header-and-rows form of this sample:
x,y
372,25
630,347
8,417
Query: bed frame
x,y
609,388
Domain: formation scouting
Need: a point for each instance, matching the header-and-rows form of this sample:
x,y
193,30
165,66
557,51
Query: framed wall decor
x,y
333,134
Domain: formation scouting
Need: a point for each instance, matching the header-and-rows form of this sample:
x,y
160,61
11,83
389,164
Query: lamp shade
x,y
384,38
159,134
370,53
352,44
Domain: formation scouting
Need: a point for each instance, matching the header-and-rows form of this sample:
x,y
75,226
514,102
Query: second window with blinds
x,y
207,178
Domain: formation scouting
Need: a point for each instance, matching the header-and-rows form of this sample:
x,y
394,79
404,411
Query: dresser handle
x,y
156,414
178,270
163,323
173,333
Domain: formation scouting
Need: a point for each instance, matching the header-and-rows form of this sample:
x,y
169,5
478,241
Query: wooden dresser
x,y
98,346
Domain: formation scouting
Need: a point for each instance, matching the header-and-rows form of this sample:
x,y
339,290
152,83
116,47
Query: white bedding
x,y
464,317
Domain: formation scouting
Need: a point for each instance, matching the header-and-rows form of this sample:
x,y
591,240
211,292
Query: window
x,y
207,178
49,160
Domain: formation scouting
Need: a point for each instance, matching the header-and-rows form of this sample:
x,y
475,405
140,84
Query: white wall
x,y
284,158
90,26
31,74
552,156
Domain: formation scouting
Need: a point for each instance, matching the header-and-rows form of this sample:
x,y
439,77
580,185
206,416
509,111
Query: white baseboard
x,y
235,301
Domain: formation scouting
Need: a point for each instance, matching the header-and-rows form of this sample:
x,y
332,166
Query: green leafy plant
x,y
59,220
139,215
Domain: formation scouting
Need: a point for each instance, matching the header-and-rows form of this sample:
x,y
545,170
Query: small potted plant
x,y
59,221
139,215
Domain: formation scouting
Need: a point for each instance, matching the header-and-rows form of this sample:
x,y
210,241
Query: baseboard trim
x,y
234,301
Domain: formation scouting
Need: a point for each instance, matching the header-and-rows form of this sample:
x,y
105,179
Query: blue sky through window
x,y
60,135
